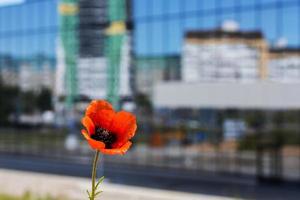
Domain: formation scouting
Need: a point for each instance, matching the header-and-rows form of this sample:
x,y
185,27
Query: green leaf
x,y
99,181
88,193
97,193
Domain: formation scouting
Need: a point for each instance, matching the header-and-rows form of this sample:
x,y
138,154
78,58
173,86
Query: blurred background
x,y
214,85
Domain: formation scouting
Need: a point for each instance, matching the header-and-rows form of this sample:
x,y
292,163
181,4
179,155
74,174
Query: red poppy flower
x,y
106,130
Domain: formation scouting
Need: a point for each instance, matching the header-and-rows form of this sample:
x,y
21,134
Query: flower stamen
x,y
104,136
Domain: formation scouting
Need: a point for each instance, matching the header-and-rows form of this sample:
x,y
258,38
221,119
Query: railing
x,y
51,145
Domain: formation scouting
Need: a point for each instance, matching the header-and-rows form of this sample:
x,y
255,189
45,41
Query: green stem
x,y
94,175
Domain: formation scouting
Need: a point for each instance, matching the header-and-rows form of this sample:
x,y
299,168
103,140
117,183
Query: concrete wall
x,y
259,95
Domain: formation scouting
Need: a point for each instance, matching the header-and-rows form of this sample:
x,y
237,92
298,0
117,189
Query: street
x,y
169,179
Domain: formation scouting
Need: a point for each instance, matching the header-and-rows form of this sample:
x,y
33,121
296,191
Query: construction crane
x,y
116,33
68,31
68,10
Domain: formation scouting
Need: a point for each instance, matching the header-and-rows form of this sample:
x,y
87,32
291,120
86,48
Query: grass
x,y
28,196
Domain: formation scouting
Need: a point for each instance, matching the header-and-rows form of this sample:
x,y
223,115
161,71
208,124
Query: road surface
x,y
178,180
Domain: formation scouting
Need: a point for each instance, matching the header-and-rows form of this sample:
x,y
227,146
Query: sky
x,y
32,27
29,28
10,2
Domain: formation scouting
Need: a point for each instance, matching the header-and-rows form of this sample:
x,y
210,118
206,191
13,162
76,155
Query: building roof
x,y
157,61
285,50
257,95
218,33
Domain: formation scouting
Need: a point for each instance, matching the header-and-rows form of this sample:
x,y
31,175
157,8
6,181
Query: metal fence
x,y
57,55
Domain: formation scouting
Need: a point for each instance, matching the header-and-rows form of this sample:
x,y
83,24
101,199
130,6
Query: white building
x,y
9,70
125,71
47,75
92,73
220,55
36,73
92,77
27,77
60,89
284,65
151,70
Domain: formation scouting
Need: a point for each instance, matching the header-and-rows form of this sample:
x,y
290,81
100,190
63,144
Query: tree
x,y
44,100
8,102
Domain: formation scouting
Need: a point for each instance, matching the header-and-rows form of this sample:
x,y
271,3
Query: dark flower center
x,y
104,136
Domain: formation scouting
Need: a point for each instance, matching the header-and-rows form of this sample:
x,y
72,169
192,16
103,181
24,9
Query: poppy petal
x,y
122,150
88,124
124,126
97,105
93,143
104,118
131,130
85,134
124,138
121,122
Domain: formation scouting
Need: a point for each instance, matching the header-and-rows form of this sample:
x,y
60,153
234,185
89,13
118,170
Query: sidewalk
x,y
18,182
